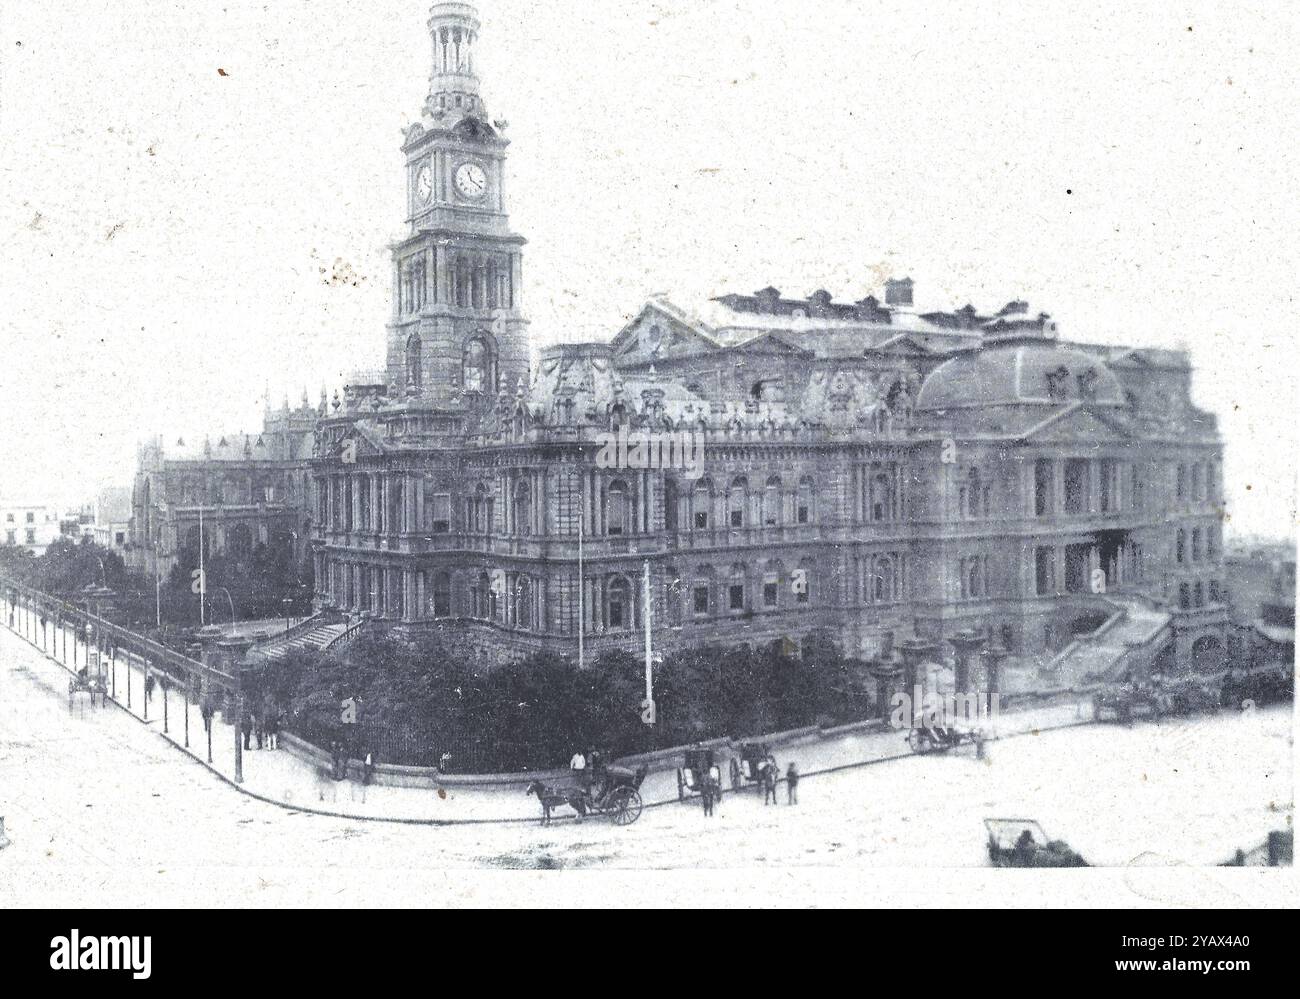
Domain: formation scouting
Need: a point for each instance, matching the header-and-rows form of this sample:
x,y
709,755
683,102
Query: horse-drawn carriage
x,y
1127,698
1188,695
941,738
753,764
94,684
698,772
1263,684
612,791
1022,843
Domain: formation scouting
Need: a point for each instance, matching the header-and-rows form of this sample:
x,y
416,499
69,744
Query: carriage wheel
x,y
627,806
735,776
916,741
681,787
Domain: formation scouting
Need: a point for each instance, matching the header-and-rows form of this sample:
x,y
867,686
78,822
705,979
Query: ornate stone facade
x,y
867,468
251,488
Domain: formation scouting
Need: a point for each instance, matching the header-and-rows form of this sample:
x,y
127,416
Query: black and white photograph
x,y
693,453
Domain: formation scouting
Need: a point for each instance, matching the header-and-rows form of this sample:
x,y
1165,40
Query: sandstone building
x,y
867,467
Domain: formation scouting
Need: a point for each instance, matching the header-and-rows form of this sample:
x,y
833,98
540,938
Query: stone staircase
x,y
310,639
1133,632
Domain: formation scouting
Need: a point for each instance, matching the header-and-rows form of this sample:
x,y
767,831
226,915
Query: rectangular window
x,y
701,599
737,518
1045,571
769,593
802,514
441,513
701,521
11,537
31,518
31,536
1109,493
1076,486
1076,568
736,596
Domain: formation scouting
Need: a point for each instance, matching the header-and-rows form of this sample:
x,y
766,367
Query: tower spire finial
x,y
453,86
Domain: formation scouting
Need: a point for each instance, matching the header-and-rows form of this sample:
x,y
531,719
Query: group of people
x,y
264,729
589,768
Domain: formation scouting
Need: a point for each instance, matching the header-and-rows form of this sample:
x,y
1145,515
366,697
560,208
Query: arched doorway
x,y
1208,654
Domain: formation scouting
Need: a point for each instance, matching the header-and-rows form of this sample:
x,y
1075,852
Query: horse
x,y
550,797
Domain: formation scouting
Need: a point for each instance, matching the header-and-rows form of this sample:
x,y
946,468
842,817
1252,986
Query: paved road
x,y
101,807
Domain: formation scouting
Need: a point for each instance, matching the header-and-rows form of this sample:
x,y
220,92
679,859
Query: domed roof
x,y
1020,372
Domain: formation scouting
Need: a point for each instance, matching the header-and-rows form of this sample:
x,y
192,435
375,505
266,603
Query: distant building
x,y
112,523
1262,593
234,491
34,526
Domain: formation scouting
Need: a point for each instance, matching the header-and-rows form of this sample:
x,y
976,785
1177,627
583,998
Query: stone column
x,y
888,678
915,651
991,659
965,645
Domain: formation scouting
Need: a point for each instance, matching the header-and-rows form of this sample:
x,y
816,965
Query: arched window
x,y
772,585
702,591
479,366
772,501
974,494
240,541
523,509
1181,553
1196,544
804,510
701,501
414,375
618,518
481,522
618,604
736,588
883,580
442,594
670,503
524,603
882,497
674,592
736,496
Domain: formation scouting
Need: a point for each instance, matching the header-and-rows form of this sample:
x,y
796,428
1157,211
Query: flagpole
x,y
203,580
582,587
649,676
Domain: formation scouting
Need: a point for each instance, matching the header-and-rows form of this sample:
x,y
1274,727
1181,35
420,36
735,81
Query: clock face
x,y
471,181
424,183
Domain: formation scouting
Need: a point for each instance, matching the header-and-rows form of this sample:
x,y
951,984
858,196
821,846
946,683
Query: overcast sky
x,y
174,239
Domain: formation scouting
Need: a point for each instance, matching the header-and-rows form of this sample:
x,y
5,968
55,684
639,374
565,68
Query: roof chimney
x,y
899,292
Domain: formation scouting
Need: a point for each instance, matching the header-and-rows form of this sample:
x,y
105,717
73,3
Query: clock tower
x,y
458,334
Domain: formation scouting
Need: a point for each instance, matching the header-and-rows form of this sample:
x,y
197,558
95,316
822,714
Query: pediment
x,y
656,334
1077,424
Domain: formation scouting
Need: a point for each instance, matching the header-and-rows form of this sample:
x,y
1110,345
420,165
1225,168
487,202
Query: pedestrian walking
x,y
706,795
272,726
792,784
368,767
258,725
768,775
246,726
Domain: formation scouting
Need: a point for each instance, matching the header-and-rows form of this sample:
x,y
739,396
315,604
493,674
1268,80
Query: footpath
x,y
282,778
